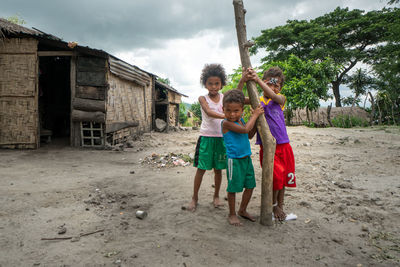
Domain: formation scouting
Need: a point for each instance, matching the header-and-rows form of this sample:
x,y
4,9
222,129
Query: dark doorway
x,y
162,112
54,99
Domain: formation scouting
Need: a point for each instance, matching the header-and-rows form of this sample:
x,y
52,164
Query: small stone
x,y
75,239
364,228
62,230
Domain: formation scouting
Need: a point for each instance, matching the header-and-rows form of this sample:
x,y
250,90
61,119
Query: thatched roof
x,y
8,28
168,87
117,66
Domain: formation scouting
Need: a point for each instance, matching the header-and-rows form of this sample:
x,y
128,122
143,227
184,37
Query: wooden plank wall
x,y
89,82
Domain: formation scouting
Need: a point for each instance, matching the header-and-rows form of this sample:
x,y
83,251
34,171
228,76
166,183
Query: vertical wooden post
x,y
262,126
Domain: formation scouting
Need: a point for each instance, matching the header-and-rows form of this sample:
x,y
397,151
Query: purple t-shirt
x,y
276,121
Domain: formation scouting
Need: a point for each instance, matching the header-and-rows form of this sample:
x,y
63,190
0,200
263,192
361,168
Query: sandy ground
x,y
347,203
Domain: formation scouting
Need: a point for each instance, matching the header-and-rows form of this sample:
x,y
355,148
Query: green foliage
x,y
344,121
16,19
386,67
350,100
307,82
233,81
196,110
182,114
345,36
309,124
164,80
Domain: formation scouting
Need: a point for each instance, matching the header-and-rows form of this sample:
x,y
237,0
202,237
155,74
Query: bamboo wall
x,y
173,114
174,98
18,93
319,117
129,101
173,108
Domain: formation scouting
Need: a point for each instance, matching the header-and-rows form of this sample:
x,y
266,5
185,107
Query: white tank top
x,y
211,126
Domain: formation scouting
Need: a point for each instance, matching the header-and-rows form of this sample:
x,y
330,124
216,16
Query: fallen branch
x,y
70,237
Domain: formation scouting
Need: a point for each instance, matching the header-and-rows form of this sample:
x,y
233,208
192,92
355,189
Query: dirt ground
x,y
347,203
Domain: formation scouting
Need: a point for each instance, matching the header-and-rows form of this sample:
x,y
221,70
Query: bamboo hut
x,y
166,104
51,89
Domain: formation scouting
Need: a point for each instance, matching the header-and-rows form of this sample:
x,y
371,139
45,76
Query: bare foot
x,y
217,203
192,206
246,215
234,220
278,213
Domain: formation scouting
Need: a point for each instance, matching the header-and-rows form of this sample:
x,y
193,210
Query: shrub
x,y
343,121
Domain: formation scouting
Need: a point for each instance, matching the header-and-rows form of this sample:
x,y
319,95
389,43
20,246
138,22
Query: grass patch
x,y
344,121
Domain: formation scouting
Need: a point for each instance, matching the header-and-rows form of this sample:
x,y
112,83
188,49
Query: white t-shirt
x,y
211,126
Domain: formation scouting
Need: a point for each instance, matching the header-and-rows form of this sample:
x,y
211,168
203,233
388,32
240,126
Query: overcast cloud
x,y
170,38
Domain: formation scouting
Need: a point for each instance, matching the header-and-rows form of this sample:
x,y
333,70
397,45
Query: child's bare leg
x,y
278,211
232,218
217,186
196,187
243,205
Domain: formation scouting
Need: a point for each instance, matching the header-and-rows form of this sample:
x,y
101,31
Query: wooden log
x,y
89,104
115,126
79,115
262,126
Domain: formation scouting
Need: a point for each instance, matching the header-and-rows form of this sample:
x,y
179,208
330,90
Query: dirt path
x,y
347,203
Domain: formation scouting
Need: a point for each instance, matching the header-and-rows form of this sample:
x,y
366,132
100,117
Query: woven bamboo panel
x,y
18,45
18,121
128,101
174,98
173,113
17,75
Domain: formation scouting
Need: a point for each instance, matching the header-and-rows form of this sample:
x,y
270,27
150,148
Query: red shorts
x,y
284,174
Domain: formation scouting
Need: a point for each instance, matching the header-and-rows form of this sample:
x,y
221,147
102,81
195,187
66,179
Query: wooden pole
x,y
267,139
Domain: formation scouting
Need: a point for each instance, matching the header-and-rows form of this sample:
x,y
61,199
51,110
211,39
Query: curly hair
x,y
213,70
233,96
274,72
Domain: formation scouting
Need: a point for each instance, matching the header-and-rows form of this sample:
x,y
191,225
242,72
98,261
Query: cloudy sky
x,y
170,38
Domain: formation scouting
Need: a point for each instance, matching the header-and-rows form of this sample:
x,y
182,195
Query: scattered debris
x,y
141,214
168,160
71,237
110,254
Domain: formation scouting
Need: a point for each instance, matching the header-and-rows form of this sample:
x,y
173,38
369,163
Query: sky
x,y
172,39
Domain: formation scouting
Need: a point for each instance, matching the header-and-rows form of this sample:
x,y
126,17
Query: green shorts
x,y
240,175
210,153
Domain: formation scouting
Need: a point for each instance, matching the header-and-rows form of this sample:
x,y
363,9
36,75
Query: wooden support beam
x,y
78,115
262,126
115,126
56,53
89,104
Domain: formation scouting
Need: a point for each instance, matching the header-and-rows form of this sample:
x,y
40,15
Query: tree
x,y
306,82
386,67
346,36
196,110
359,82
182,113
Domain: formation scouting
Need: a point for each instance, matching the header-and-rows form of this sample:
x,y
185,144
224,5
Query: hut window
x,y
92,134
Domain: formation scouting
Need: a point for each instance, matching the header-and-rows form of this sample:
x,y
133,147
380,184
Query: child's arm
x,y
245,77
268,92
253,131
211,113
231,126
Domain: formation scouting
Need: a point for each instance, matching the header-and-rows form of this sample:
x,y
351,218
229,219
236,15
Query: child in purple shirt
x,y
284,165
